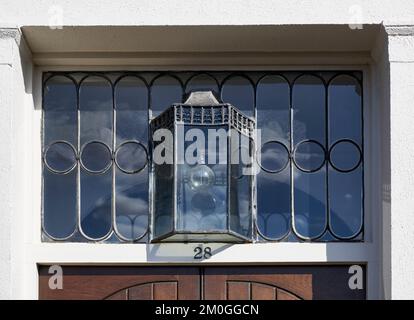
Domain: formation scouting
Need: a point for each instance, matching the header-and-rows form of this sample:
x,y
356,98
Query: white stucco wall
x,y
391,62
401,55
213,12
15,107
5,130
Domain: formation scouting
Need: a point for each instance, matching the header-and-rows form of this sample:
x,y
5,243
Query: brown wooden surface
x,y
230,283
134,283
221,283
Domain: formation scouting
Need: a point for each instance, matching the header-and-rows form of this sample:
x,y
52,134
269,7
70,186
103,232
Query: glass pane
x,y
241,205
345,109
59,203
274,156
132,203
96,203
345,200
163,194
308,103
96,110
131,157
345,156
202,197
239,92
60,157
273,203
131,102
345,189
309,203
273,189
201,188
273,103
165,91
309,156
202,82
241,185
60,110
163,187
96,157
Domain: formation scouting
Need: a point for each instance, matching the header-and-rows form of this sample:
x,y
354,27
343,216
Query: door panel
x,y
255,283
261,291
141,292
123,283
148,291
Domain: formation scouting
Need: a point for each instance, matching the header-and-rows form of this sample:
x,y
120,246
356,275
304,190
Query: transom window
x,y
97,168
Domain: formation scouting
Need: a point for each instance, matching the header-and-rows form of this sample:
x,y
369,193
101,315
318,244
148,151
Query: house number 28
x,y
201,252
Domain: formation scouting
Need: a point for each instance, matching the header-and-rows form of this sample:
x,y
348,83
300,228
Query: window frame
x,y
367,252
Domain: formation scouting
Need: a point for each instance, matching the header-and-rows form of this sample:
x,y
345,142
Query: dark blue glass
x,y
202,82
345,202
273,188
344,101
309,189
308,103
96,204
309,194
273,203
131,103
239,92
165,91
96,111
131,184
59,203
131,196
345,189
60,110
272,103
60,123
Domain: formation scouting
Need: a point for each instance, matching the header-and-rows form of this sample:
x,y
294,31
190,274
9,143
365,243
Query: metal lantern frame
x,y
202,110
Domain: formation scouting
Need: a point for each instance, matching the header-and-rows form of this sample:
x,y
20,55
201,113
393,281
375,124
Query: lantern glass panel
x,y
202,184
241,180
163,198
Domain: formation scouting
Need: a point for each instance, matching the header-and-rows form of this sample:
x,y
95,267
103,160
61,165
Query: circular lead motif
x,y
60,157
309,156
96,157
274,156
131,157
345,155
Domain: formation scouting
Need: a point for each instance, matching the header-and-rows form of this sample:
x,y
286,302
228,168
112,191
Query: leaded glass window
x,y
97,151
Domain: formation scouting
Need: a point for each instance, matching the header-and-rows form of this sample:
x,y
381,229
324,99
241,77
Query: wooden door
x,y
250,283
317,282
123,283
221,283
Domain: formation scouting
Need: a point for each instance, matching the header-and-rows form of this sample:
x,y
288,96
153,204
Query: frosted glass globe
x,y
202,177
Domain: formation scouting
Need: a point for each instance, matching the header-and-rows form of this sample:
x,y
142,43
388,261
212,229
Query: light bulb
x,y
202,177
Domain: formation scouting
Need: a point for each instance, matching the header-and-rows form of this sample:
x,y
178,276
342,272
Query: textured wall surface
x,y
5,167
16,106
402,165
199,12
